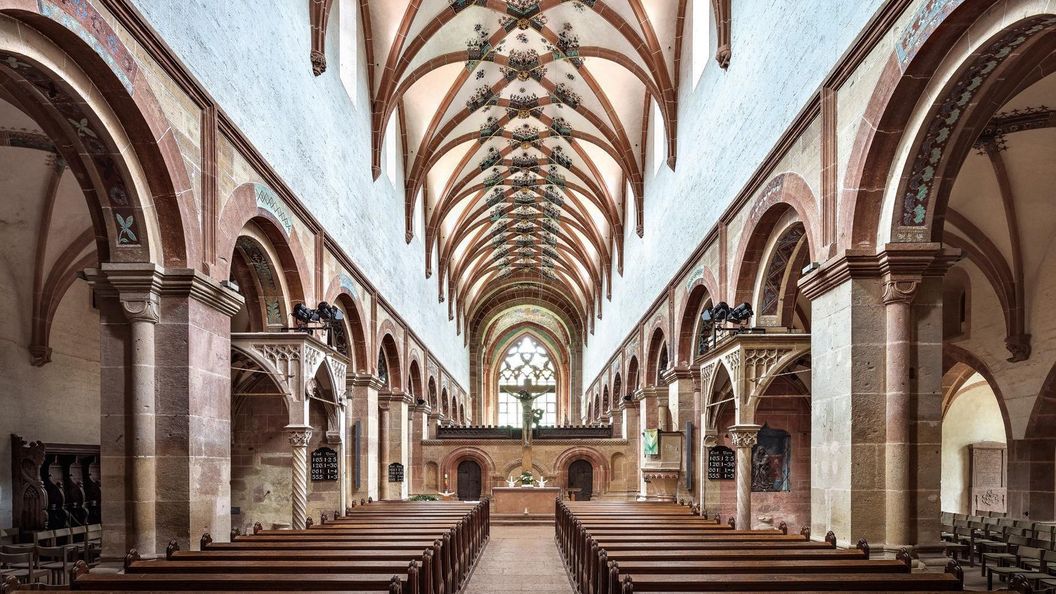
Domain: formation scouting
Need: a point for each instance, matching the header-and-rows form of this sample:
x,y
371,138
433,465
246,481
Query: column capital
x,y
896,259
365,380
135,281
900,289
744,436
709,439
141,308
299,435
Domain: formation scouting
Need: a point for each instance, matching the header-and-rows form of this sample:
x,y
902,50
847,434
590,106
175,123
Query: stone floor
x,y
520,559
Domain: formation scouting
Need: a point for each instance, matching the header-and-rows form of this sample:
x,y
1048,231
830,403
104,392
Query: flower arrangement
x,y
527,479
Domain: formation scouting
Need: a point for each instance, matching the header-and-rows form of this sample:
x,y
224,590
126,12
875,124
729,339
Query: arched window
x,y
701,38
383,368
348,49
526,363
704,326
656,122
390,149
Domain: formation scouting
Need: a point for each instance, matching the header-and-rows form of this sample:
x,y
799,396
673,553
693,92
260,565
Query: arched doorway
x,y
581,476
468,480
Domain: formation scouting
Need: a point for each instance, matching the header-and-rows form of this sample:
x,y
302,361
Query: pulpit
x,y
531,502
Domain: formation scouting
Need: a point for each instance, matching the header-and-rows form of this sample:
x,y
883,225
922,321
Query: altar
x,y
521,501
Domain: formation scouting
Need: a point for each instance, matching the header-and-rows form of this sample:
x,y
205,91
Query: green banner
x,y
651,442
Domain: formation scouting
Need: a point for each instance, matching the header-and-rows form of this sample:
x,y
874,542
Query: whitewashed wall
x,y
782,51
253,58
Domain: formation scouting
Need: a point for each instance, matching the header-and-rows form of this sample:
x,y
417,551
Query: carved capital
x,y
1018,346
744,436
142,308
900,290
318,62
709,440
299,435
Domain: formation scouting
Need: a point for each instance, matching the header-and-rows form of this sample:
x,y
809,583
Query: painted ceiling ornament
x,y
564,95
459,5
561,127
490,128
483,96
493,156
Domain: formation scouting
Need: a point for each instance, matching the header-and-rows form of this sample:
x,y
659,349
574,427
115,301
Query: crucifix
x,y
526,395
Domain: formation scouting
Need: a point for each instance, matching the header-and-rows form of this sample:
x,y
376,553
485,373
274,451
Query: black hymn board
x,y
722,464
395,472
324,465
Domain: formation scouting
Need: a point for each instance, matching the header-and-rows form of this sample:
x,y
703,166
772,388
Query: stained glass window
x,y
526,363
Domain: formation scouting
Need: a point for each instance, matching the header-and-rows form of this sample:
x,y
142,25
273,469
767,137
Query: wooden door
x,y
581,476
469,481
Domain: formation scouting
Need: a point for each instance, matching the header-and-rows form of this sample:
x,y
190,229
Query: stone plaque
x,y
324,465
395,472
987,462
722,464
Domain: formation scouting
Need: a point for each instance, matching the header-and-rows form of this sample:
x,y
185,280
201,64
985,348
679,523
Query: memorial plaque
x,y
395,472
722,464
324,465
987,472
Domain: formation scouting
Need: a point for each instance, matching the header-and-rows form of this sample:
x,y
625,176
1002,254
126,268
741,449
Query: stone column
x,y
363,407
649,414
394,419
434,424
744,438
166,386
898,298
300,436
683,394
708,498
384,456
417,467
142,312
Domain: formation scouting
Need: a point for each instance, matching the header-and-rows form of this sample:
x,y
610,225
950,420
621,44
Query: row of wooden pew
x,y
394,547
621,548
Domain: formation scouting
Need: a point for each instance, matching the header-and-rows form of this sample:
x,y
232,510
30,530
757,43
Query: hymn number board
x,y
722,464
324,465
395,472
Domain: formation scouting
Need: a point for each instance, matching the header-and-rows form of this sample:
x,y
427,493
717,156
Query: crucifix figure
x,y
526,395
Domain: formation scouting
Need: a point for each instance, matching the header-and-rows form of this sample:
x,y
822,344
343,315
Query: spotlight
x,y
720,312
304,314
741,313
329,313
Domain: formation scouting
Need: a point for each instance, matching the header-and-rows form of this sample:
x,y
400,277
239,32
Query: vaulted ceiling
x,y
522,123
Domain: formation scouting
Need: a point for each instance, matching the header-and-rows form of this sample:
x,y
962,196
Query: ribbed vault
x,y
521,123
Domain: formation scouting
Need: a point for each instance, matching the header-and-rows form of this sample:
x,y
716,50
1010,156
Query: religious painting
x,y
771,459
651,442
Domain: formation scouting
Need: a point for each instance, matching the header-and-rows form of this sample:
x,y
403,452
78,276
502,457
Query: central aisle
x,y
520,558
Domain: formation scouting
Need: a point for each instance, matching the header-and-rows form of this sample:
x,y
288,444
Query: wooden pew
x,y
607,551
393,547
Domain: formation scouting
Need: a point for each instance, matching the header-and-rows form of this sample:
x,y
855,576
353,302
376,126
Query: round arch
x,y
657,358
602,470
935,138
389,354
129,202
449,467
699,297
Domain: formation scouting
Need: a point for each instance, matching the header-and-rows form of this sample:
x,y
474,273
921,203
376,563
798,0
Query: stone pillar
x,y
142,312
384,456
649,414
708,498
363,408
898,297
300,436
434,424
417,467
683,396
394,422
617,419
174,403
744,438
